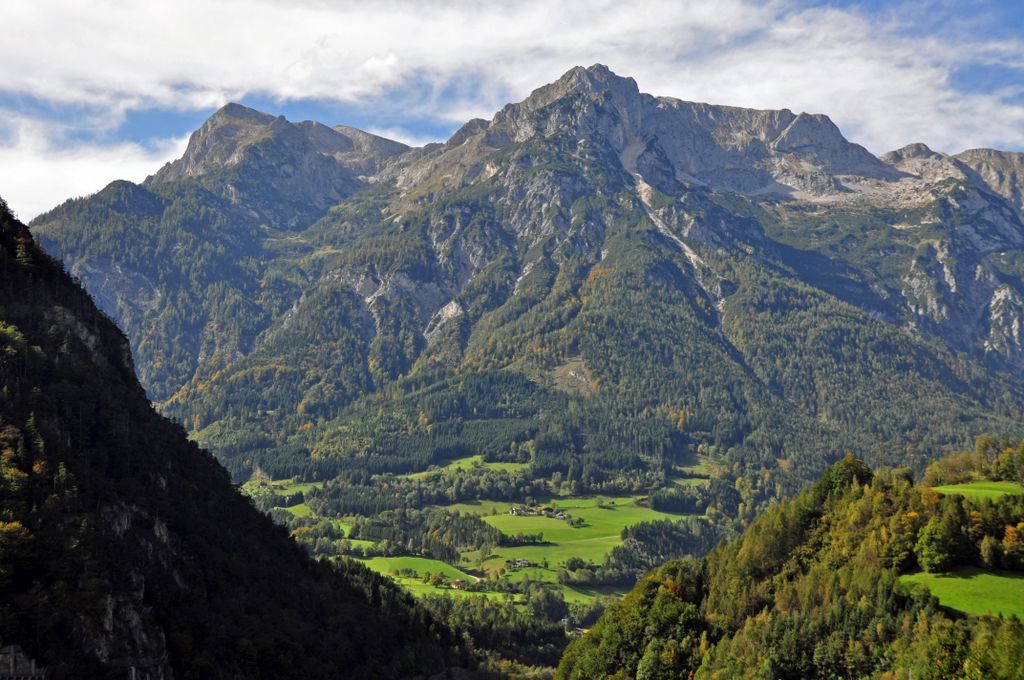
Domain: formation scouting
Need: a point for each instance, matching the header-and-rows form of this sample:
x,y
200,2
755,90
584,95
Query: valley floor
x,y
599,522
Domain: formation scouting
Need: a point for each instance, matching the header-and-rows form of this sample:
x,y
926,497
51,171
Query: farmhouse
x,y
520,563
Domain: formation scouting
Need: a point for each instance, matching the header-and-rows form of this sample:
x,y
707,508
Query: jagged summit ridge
x,y
670,140
218,142
286,173
1002,171
224,139
750,151
597,80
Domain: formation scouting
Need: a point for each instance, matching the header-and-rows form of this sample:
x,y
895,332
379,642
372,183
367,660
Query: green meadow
x,y
300,510
399,568
975,591
393,566
420,589
689,481
603,521
604,518
980,490
280,487
469,463
284,487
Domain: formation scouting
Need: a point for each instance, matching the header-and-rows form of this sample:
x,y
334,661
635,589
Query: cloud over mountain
x,y
931,72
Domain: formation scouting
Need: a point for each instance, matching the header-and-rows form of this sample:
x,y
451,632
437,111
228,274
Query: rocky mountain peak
x,y
915,150
669,140
237,112
993,156
810,132
370,144
287,174
919,163
471,128
597,79
582,101
1001,171
233,130
220,141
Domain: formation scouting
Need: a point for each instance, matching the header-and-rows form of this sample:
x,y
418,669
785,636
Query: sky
x,y
96,91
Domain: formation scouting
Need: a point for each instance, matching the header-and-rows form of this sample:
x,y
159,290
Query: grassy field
x,y
690,481
975,591
391,566
575,595
468,463
281,487
699,466
602,516
980,490
483,507
419,589
421,565
604,520
570,593
300,510
285,487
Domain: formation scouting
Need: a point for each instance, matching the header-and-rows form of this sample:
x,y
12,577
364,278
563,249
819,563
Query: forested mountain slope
x,y
598,282
811,590
123,545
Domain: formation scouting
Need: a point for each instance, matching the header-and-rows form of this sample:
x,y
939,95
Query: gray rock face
x,y
218,143
1001,171
286,173
953,287
734,149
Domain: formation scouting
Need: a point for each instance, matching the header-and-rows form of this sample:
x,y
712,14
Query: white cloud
x,y
401,134
885,78
39,167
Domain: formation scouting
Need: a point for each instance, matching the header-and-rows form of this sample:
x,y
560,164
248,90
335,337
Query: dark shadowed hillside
x,y
122,544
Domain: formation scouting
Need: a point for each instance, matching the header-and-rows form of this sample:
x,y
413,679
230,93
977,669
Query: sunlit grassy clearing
x,y
980,490
300,510
975,591
468,463
604,519
421,565
420,589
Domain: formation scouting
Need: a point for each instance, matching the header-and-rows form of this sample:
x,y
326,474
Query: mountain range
x,y
605,284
